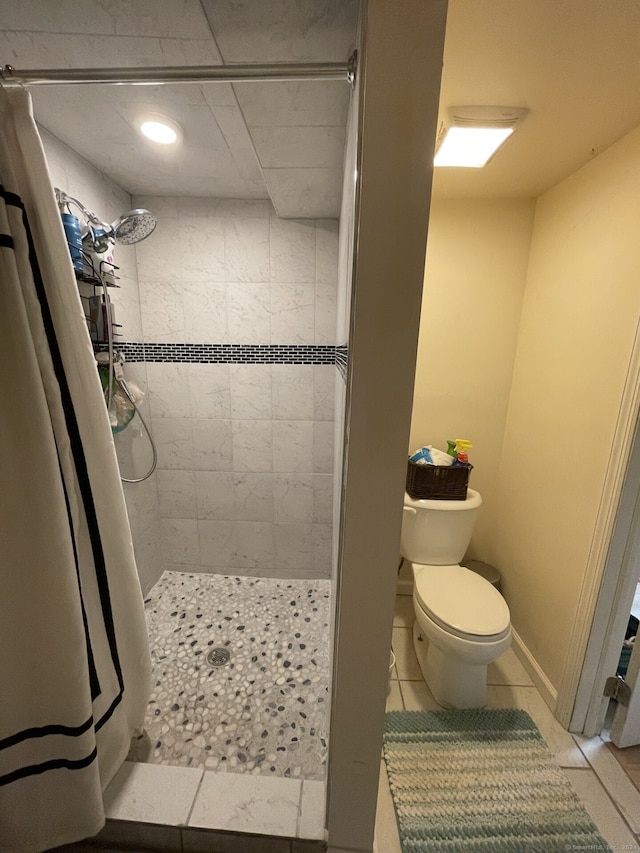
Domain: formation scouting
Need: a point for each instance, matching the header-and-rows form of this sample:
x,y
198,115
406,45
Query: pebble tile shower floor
x,y
265,712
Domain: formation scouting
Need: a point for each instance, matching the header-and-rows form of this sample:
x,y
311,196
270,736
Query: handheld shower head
x,y
129,228
134,226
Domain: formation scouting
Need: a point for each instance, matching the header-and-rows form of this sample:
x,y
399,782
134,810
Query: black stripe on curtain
x,y
45,731
94,681
13,200
54,764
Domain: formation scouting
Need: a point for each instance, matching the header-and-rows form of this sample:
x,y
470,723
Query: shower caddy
x,y
99,313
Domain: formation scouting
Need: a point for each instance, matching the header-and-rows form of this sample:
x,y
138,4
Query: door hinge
x,y
618,689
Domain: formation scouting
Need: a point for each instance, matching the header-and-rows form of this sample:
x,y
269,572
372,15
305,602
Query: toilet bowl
x,y
462,625
462,622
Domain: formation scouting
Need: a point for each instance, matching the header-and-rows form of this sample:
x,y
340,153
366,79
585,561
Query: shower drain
x,y
218,657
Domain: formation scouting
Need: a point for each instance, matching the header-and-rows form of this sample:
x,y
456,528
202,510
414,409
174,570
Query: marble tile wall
x,y
245,451
79,179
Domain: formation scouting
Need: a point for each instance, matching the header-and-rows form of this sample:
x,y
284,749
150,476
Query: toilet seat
x,y
461,602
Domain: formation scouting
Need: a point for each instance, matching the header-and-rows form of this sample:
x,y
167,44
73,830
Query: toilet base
x,y
453,683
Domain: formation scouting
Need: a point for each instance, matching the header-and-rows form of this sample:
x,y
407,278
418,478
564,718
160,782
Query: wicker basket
x,y
438,482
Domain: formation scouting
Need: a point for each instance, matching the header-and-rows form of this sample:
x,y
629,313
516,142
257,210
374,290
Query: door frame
x,y
607,590
399,87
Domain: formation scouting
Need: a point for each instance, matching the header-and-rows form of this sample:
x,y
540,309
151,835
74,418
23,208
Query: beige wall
x,y
579,320
475,274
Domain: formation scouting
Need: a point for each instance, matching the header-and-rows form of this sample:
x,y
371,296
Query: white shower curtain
x,y
74,659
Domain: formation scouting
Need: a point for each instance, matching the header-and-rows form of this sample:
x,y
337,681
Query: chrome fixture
x,y
219,656
346,71
129,228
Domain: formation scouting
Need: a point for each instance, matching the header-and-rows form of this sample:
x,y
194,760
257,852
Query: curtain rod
x,y
345,71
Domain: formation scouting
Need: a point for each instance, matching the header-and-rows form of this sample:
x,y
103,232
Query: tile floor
x,y
155,807
260,709
605,790
234,756
209,800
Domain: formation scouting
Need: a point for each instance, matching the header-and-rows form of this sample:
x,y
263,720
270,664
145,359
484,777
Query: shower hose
x,y
154,459
125,388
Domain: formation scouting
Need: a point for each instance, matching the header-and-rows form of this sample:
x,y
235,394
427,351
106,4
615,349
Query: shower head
x,y
134,226
129,228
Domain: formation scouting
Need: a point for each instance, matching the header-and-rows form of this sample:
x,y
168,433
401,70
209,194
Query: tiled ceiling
x,y
573,64
282,141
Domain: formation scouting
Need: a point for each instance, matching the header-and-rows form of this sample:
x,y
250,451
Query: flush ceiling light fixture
x,y
470,136
160,129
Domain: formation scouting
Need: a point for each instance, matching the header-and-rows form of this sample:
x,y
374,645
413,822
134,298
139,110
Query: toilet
x,y
462,622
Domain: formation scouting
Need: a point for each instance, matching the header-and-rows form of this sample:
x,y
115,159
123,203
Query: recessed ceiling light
x,y
160,129
472,135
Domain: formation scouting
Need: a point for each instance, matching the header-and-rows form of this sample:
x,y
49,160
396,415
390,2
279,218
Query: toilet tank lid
x,y
458,598
473,501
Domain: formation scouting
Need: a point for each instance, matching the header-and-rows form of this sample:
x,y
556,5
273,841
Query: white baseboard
x,y
535,671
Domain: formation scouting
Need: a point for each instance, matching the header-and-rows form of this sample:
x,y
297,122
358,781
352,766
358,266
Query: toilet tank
x,y
437,533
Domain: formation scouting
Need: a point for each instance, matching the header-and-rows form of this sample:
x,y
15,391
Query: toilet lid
x,y
462,602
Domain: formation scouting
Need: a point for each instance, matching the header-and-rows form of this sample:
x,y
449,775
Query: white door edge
x,y
597,634
614,603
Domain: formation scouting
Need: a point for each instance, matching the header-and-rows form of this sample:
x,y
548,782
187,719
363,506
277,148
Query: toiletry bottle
x,y
462,446
73,232
451,448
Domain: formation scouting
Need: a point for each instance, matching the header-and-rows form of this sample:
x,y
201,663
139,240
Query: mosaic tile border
x,y
342,360
235,353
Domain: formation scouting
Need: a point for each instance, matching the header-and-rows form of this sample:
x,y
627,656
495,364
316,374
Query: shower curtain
x,y
74,658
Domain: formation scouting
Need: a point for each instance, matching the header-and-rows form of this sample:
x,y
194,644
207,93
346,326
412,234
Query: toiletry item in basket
x,y
430,455
451,449
440,457
422,457
462,448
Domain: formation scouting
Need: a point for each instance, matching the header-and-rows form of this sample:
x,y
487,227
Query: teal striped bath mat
x,y
480,781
